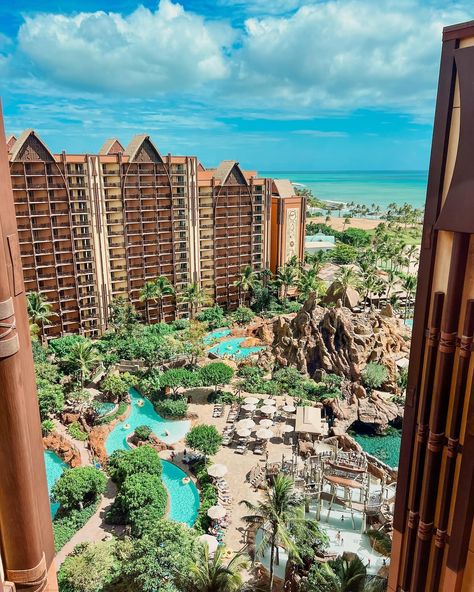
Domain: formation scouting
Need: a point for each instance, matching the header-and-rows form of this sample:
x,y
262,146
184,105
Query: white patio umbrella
x,y
267,409
216,512
270,402
244,432
246,424
249,407
266,423
217,470
287,429
264,434
210,541
250,400
289,408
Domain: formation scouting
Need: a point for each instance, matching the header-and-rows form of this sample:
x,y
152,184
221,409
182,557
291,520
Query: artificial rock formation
x,y
338,341
63,448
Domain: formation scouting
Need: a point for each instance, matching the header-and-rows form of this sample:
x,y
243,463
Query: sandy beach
x,y
337,222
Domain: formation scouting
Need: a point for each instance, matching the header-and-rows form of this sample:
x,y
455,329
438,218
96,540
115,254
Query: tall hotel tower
x,y
97,227
433,541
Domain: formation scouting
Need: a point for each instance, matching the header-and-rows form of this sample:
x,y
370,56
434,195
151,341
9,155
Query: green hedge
x,y
66,526
174,408
208,496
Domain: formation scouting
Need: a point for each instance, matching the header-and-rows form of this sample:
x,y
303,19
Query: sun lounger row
x,y
242,446
233,413
228,435
260,447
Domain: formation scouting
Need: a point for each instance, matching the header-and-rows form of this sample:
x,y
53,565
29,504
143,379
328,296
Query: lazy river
x,y
54,469
183,497
167,430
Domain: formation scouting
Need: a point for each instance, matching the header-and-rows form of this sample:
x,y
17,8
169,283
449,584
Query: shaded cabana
x,y
309,421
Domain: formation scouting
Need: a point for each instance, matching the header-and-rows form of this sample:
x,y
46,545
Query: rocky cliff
x,y
337,340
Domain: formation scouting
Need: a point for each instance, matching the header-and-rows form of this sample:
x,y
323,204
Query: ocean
x,y
362,187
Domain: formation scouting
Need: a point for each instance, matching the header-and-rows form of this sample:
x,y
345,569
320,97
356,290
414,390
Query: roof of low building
x,y
284,187
308,420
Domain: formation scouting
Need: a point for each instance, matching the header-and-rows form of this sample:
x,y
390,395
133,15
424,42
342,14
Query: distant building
x,y
94,227
319,242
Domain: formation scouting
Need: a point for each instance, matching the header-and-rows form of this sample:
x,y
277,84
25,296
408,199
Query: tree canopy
x,y
204,438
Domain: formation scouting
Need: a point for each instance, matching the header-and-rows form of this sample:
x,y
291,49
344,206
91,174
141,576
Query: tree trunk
x,y
272,557
160,309
147,311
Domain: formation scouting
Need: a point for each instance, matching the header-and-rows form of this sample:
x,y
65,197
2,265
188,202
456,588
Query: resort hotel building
x,y
94,227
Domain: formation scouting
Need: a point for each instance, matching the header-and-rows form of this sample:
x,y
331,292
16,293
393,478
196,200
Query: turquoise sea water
x,y
167,430
54,469
184,497
362,187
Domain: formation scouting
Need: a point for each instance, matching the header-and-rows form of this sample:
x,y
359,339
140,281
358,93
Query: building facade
x,y
94,227
433,540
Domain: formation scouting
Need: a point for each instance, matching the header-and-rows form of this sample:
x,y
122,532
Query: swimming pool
x,y
145,415
231,347
216,334
105,408
183,497
54,469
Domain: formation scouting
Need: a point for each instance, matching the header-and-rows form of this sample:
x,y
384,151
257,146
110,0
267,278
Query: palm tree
x,y
280,507
409,286
194,297
347,277
163,287
346,576
211,574
40,311
246,281
147,293
286,277
309,283
83,357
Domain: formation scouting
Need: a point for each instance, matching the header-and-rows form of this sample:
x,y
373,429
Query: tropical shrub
x,y
343,254
243,315
90,567
177,378
356,237
374,375
141,501
118,385
50,398
78,487
47,426
172,408
143,432
214,317
65,525
109,418
149,384
204,438
124,463
179,324
75,431
215,374
161,559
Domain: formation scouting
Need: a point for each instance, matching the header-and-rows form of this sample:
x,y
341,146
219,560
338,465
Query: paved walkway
x,y
95,529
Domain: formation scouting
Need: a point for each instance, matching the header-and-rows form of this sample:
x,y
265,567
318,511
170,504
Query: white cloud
x,y
146,52
346,54
329,56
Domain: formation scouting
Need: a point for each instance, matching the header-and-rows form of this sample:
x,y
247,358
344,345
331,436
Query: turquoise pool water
x,y
105,408
54,469
167,430
184,497
216,334
409,323
231,347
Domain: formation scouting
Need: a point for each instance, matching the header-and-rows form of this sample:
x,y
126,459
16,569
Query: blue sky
x,y
275,84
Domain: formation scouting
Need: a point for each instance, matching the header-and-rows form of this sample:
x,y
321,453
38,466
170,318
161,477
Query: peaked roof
x,y
228,167
111,146
284,187
10,141
142,149
29,146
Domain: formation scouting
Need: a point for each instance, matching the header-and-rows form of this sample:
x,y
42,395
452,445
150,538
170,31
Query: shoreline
x,y
337,223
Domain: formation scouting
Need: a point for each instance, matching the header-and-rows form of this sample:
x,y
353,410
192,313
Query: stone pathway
x,y
95,529
84,452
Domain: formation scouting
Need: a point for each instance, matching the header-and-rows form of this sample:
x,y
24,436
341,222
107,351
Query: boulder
x,y
348,296
387,311
64,448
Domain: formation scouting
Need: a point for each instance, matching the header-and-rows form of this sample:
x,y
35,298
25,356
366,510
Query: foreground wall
x,y
433,545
